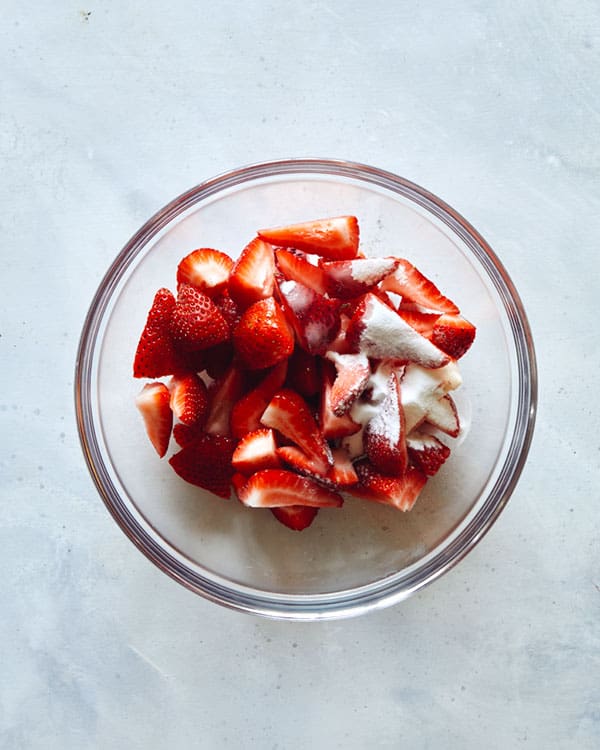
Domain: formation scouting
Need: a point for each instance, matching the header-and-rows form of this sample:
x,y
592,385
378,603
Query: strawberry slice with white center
x,y
443,414
412,285
423,322
206,269
189,398
333,427
238,481
399,492
263,337
196,322
346,279
275,488
336,238
295,266
385,434
295,517
426,452
380,332
223,395
247,411
256,451
421,390
453,334
316,319
206,463
156,354
253,274
153,404
339,476
290,415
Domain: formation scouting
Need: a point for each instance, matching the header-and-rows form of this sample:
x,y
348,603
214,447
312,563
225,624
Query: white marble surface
x,y
107,111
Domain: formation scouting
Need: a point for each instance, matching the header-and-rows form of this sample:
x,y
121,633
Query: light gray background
x,y
107,111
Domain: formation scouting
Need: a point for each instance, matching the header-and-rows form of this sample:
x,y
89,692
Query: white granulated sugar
x,y
378,384
371,270
442,413
313,259
421,389
314,332
354,444
287,287
387,335
386,423
348,361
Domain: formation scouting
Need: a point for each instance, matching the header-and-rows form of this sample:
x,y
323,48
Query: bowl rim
x,y
386,591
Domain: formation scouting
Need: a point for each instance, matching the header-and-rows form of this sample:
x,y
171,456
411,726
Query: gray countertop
x,y
108,111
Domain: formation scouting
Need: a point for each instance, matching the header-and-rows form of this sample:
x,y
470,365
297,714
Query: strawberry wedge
x,y
295,517
275,488
399,492
381,333
335,238
412,285
290,415
206,269
253,275
153,404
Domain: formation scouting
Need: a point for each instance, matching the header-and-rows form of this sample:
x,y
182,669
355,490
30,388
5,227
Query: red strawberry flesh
x,y
412,285
256,451
336,238
453,335
252,276
273,488
153,404
206,269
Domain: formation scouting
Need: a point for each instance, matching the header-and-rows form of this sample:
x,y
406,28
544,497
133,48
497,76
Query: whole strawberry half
x,y
153,404
156,354
262,337
335,238
206,463
206,269
252,276
189,398
295,266
196,322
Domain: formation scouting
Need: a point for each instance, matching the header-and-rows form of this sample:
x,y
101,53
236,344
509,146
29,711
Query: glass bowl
x,y
367,555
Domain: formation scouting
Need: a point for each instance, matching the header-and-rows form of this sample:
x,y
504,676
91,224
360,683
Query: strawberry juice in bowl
x,y
364,555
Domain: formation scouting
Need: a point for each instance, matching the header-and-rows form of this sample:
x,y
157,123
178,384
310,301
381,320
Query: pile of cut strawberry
x,y
302,370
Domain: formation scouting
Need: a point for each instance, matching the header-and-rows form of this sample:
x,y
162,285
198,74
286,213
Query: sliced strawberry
x,y
412,285
422,322
252,276
303,373
206,269
196,322
421,388
338,476
153,404
385,434
256,451
275,488
223,394
295,517
185,434
381,333
335,238
426,452
156,354
316,319
294,266
453,335
444,415
353,372
262,337
189,398
228,308
219,359
340,343
238,481
246,413
206,463
289,414
400,492
346,279
332,426
193,361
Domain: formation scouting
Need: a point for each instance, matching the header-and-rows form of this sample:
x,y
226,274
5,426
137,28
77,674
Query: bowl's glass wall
x,y
364,542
